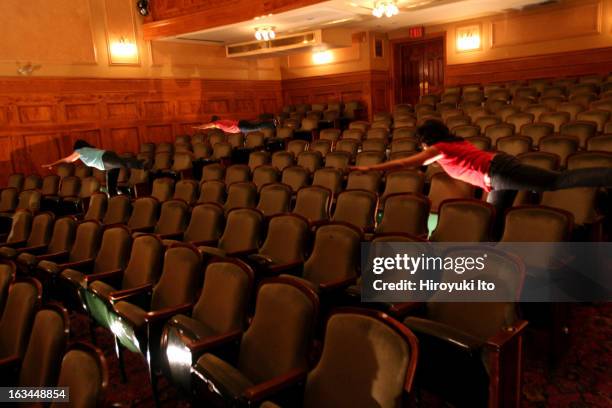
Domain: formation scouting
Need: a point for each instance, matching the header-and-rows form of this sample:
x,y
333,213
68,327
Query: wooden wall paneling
x,y
573,63
157,133
121,140
40,148
6,155
91,136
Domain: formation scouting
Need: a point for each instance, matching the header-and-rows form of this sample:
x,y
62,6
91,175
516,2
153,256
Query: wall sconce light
x,y
123,49
265,33
322,57
468,38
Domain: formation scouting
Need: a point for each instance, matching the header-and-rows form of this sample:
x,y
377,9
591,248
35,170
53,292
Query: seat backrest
x,y
254,140
406,132
65,170
17,317
482,319
42,359
89,186
242,194
601,143
583,130
537,131
274,198
514,145
114,250
404,145
70,186
180,279
213,172
312,160
537,224
357,207
364,180
464,221
265,174
444,187
163,161
282,159
237,173
466,131
313,203
295,177
349,146
29,200
557,119
367,158
85,373
145,263
50,184
297,146
404,181
329,178
21,227
519,119
144,212
15,181
8,199
406,213
242,230
279,337
96,208
62,238
42,226
212,191
86,241
173,217
355,134
201,150
236,140
330,134
381,370
206,223
118,210
335,254
562,146
256,159
286,239
186,190
222,306
163,189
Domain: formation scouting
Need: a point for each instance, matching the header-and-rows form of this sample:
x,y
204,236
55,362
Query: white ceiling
x,y
357,14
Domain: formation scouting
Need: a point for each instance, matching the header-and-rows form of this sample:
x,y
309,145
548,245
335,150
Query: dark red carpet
x,y
581,379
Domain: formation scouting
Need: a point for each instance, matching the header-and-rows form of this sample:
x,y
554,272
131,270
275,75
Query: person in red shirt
x,y
498,173
237,126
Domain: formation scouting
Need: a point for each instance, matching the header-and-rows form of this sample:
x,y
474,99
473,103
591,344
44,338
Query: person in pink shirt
x,y
237,126
498,173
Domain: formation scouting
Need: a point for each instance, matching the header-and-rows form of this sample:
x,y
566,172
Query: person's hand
x,y
359,168
46,166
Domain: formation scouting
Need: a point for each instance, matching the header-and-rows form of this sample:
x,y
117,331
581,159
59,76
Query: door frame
x,y
395,44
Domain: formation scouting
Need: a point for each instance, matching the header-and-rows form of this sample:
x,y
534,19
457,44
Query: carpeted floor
x,y
582,378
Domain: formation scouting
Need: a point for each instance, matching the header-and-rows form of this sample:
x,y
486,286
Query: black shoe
x,y
214,118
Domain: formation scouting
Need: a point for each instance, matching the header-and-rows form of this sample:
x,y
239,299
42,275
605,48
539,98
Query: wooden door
x,y
419,69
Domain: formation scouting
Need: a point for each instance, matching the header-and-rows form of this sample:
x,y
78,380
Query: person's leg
x,y
112,175
501,200
133,163
247,127
511,174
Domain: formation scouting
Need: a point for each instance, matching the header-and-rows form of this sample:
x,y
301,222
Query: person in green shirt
x,y
104,160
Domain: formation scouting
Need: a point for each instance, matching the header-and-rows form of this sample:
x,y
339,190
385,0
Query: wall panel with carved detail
x,y
40,118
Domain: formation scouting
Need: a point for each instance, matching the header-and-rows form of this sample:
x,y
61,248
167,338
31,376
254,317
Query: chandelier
x,y
265,33
385,8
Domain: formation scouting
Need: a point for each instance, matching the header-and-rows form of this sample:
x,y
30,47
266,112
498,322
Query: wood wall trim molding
x,y
172,18
572,63
40,118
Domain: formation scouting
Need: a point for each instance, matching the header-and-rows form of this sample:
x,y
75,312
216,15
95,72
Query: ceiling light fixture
x,y
265,33
385,8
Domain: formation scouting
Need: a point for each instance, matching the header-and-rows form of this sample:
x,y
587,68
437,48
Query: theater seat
x,y
241,235
275,346
368,360
39,235
85,372
464,220
118,211
281,160
470,353
212,191
220,311
41,362
139,329
274,198
357,207
143,268
96,208
7,276
405,213
313,203
144,214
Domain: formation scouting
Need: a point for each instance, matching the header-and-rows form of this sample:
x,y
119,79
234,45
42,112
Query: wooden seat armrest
x,y
50,257
268,388
337,284
103,276
174,235
78,265
506,335
122,295
202,346
165,314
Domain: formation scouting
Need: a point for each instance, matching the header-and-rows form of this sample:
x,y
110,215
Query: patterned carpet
x,y
582,378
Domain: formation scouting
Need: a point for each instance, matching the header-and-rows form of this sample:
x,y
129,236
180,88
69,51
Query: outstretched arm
x,y
210,125
425,157
68,159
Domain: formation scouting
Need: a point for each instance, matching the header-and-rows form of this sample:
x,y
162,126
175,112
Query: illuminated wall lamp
x,y
468,38
123,49
322,57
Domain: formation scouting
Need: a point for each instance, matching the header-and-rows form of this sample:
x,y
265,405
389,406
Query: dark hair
x,y
433,131
80,144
